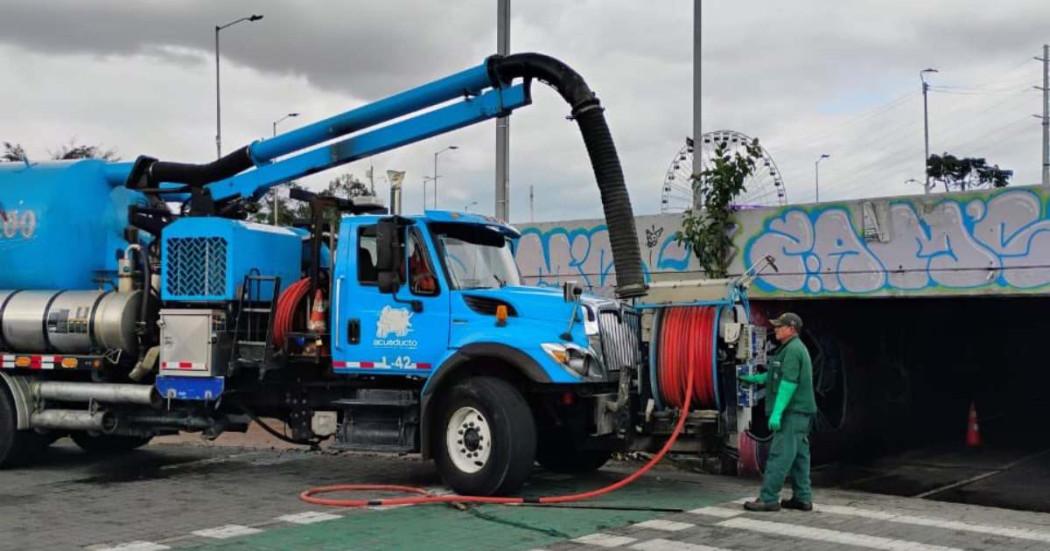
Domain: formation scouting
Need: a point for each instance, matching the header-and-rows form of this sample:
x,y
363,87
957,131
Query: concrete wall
x,y
988,242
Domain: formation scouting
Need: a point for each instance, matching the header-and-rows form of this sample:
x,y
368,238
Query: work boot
x,y
796,504
762,506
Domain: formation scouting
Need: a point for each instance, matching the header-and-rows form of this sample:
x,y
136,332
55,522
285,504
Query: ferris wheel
x,y
764,188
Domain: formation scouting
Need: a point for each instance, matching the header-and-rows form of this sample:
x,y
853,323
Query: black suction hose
x,y
148,172
588,113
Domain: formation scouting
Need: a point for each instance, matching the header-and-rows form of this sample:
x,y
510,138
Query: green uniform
x,y
789,451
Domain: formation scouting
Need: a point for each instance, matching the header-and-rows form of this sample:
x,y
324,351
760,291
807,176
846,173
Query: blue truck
x,y
137,300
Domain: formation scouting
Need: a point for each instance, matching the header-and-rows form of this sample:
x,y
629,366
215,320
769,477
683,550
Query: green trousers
x,y
789,455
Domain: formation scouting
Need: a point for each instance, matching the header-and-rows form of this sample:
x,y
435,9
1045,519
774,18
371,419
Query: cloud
x,y
806,77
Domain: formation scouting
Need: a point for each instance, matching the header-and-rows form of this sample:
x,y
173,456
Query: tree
x,y
289,212
708,231
67,152
966,173
13,152
347,186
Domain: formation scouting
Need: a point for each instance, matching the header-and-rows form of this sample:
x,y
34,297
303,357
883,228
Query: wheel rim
x,y
468,440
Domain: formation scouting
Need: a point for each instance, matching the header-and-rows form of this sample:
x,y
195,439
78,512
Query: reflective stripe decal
x,y
184,366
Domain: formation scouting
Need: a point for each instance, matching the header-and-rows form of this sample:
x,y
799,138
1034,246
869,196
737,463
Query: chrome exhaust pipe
x,y
106,393
71,419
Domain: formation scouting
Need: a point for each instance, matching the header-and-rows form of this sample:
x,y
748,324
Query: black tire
x,y
17,447
509,422
559,452
108,443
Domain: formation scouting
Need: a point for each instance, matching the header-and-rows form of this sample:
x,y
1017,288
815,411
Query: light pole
x,y
926,125
435,178
218,101
816,173
275,123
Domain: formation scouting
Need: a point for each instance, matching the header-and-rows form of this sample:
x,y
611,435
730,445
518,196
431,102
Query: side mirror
x,y
388,255
571,291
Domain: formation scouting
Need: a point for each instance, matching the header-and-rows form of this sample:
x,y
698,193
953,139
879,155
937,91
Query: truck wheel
x,y
108,443
558,452
17,447
487,438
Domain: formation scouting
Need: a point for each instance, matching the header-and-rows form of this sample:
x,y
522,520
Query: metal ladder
x,y
253,344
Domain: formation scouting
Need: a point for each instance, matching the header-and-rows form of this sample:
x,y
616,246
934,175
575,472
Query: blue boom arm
x,y
490,104
474,95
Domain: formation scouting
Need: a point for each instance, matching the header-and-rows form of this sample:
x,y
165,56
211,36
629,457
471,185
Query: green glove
x,y
787,390
756,379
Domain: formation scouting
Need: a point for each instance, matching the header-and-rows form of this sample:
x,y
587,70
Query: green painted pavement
x,y
507,528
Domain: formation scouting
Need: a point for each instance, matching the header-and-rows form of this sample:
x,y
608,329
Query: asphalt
x,y
180,494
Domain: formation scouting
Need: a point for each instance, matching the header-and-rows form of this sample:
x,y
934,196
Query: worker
x,y
790,407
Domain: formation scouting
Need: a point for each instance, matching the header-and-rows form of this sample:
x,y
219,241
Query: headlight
x,y
568,355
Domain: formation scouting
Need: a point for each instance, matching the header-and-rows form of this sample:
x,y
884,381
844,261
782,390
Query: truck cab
x,y
432,307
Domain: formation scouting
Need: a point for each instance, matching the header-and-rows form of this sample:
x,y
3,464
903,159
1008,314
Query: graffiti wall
x,y
552,253
990,242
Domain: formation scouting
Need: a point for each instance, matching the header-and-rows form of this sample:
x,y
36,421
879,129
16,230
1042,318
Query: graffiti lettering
x,y
998,240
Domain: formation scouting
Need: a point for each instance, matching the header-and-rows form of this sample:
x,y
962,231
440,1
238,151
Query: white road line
x,y
669,545
228,531
134,546
309,517
722,512
904,518
831,536
604,540
665,525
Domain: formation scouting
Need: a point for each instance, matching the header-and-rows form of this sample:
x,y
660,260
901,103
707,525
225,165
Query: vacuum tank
x,y
61,232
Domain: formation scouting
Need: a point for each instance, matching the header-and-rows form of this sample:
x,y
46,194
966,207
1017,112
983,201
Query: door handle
x,y
353,331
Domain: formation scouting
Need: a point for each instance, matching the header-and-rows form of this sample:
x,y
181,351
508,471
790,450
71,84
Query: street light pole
x,y
816,173
275,123
926,126
218,95
435,178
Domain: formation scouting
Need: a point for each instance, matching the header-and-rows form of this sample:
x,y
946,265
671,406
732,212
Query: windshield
x,y
476,257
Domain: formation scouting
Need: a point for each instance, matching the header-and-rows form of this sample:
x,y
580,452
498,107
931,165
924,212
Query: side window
x,y
366,255
421,278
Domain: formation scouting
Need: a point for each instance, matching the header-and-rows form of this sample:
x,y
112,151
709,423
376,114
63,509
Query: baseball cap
x,y
788,319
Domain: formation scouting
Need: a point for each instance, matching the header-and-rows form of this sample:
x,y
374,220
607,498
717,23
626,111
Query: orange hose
x,y
424,497
285,312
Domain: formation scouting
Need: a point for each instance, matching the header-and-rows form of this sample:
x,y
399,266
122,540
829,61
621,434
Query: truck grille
x,y
620,331
196,266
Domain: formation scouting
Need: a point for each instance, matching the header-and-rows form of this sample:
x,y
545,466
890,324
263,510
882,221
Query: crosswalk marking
x,y
669,545
135,546
1016,533
309,517
831,536
665,525
604,540
227,531
721,512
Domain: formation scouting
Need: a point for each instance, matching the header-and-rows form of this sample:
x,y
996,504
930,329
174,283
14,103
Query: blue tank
x,y
63,223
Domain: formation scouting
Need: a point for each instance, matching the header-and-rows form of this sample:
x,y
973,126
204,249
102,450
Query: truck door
x,y
404,333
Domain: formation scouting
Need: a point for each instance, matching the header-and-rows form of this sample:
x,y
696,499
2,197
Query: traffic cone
x,y
973,431
317,323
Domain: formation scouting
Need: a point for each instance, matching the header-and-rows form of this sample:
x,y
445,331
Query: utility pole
x,y
532,198
502,210
697,133
1046,113
816,173
926,125
218,91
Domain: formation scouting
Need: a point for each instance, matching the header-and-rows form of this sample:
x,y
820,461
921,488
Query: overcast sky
x,y
806,77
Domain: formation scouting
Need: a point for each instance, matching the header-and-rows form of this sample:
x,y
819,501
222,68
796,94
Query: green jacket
x,y
790,362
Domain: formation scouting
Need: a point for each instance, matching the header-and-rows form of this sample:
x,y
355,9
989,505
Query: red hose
x,y
687,339
424,497
287,303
